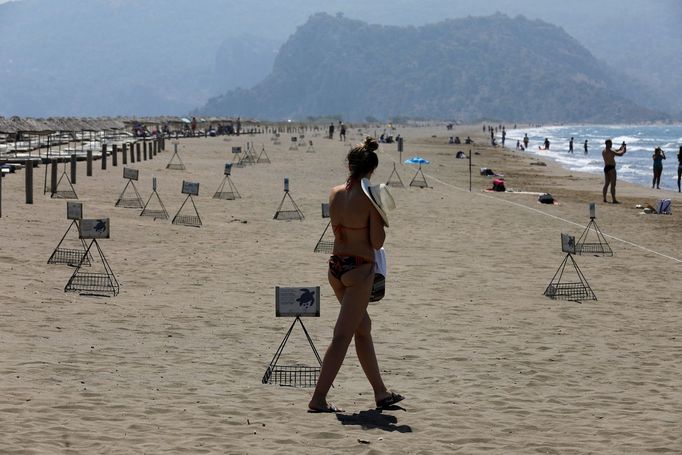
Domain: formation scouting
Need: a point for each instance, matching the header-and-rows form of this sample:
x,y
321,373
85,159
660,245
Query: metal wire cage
x,y
293,375
70,256
396,182
325,245
593,244
102,283
569,290
193,220
130,201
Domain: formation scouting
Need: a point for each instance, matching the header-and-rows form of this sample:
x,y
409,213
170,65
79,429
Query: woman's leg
x,y
357,284
364,347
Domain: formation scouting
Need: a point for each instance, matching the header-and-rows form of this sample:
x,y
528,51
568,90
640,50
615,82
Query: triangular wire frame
x,y
187,220
263,157
133,201
585,245
93,283
64,191
294,145
325,245
231,192
70,256
155,212
310,148
291,214
421,183
246,157
294,375
397,182
175,163
569,290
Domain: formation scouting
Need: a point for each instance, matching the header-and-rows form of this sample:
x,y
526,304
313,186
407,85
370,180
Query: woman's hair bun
x,y
370,144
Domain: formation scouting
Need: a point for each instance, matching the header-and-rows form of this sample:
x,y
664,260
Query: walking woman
x,y
658,157
358,223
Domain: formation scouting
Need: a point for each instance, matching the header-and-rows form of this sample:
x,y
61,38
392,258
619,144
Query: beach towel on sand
x,y
664,207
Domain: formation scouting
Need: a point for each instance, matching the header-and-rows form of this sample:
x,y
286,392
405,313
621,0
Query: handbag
x,y
379,286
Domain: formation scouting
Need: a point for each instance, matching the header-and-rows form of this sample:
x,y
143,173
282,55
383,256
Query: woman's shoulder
x,y
338,189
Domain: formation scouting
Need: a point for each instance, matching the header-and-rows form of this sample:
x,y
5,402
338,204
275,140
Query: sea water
x,y
636,166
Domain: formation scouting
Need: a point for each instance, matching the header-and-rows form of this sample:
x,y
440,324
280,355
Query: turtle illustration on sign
x,y
101,226
307,298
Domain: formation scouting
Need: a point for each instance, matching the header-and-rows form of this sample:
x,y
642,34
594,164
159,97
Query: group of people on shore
x,y
609,155
610,175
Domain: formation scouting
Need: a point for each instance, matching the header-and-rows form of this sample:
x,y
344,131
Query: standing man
x,y
342,132
331,130
585,146
504,135
570,146
525,141
609,156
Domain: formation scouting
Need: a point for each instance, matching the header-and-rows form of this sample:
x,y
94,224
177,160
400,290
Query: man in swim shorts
x,y
609,156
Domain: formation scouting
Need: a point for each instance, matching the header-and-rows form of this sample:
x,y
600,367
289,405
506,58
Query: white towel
x,y
380,261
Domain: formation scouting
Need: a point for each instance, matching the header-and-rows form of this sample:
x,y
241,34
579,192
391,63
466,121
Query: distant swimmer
x,y
585,146
570,146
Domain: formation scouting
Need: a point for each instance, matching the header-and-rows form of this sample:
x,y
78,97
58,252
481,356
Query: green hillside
x,y
462,69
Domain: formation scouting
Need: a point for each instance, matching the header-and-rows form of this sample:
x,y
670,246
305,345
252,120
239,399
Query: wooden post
x,y
144,150
89,163
132,152
152,149
29,182
124,155
114,155
104,156
470,170
53,177
137,151
73,168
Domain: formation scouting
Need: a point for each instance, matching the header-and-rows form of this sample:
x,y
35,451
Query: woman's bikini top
x,y
340,228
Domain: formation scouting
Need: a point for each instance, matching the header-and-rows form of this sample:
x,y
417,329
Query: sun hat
x,y
380,197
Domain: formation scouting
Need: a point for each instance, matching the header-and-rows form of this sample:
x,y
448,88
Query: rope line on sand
x,y
555,217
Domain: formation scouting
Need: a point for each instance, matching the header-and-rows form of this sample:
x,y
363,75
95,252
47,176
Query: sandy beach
x,y
173,364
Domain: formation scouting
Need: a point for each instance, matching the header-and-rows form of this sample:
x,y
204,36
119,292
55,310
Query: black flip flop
x,y
390,400
329,409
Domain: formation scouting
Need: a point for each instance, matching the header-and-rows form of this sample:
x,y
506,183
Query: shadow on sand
x,y
374,418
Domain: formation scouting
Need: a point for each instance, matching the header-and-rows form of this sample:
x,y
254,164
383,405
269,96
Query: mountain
x,y
127,57
154,57
461,69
